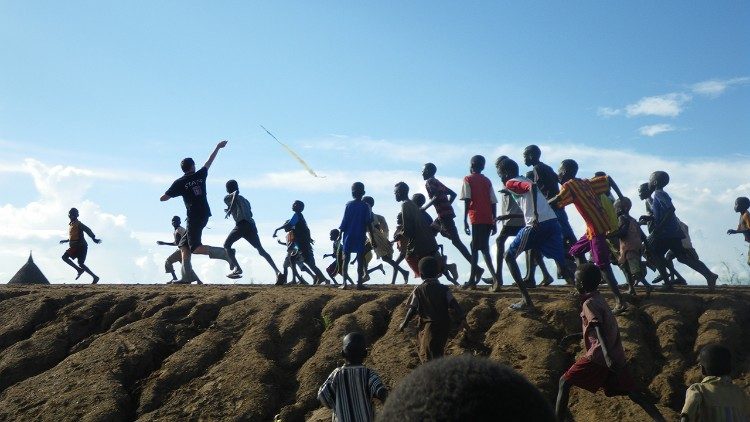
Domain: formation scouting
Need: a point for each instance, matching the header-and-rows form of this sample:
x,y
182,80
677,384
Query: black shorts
x,y
243,230
509,231
447,228
480,236
78,252
193,233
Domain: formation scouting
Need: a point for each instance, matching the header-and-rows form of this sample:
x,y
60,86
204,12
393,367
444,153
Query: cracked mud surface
x,y
168,353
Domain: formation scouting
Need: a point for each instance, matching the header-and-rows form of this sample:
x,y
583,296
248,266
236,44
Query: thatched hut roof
x,y
29,274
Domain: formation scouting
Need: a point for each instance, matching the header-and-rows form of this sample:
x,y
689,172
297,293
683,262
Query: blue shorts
x,y
546,237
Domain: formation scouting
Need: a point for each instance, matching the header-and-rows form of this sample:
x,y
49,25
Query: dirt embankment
x,y
95,353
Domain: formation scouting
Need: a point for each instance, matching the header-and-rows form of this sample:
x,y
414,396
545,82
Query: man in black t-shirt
x,y
192,188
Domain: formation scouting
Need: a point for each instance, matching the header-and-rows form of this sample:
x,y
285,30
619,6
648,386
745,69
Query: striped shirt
x,y
349,391
584,194
439,192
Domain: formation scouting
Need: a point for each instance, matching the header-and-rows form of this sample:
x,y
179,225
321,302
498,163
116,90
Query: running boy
x,y
176,256
303,240
337,266
416,235
584,194
78,248
631,239
644,193
667,234
715,399
192,188
380,241
604,364
480,206
355,223
244,228
442,197
741,206
542,232
432,301
349,390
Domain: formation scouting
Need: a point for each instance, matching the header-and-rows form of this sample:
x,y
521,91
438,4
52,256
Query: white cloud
x,y
608,111
653,130
667,105
716,87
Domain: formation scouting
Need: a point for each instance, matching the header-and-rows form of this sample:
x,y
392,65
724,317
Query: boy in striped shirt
x,y
584,194
349,390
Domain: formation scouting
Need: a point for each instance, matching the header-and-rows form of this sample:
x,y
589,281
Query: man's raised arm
x,y
211,159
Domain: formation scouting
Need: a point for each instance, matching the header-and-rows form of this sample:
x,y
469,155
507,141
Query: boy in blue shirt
x,y
354,225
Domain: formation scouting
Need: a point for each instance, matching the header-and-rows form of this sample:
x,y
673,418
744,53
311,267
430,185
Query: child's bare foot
x,y
96,280
405,275
547,281
80,273
521,306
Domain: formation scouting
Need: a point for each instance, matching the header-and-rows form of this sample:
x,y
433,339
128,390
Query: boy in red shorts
x,y
603,366
78,246
415,234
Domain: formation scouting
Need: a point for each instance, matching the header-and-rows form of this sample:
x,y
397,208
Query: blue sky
x,y
120,92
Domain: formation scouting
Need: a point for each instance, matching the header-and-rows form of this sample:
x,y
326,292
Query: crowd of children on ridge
x,y
532,212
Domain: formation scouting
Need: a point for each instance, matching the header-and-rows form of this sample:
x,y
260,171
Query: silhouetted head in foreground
x,y
465,388
588,277
715,360
429,267
354,349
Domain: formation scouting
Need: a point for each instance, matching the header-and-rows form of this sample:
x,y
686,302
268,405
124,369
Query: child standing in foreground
x,y
78,247
604,363
715,399
349,390
741,205
432,301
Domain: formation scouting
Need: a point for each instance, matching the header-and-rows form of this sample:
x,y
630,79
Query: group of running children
x,y
532,210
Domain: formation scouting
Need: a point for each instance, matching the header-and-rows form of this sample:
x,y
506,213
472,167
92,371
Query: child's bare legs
x,y
609,277
515,272
88,271
538,260
563,394
361,270
488,262
499,255
641,400
396,269
405,273
68,260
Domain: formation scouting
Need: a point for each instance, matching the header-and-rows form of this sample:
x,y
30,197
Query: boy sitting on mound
x,y
349,390
432,301
604,363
